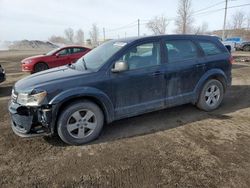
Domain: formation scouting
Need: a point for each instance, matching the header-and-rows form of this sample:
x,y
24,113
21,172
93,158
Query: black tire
x,y
67,115
40,67
208,100
246,48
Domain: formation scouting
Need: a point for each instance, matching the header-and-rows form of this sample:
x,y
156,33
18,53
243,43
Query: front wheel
x,y
40,67
211,95
80,122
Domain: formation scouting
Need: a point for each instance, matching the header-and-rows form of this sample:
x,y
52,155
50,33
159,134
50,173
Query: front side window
x,y
141,56
181,50
209,48
64,52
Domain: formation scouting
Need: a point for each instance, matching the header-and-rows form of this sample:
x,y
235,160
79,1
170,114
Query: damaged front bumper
x,y
30,121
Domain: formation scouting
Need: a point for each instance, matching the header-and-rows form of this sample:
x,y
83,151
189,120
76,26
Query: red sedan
x,y
54,58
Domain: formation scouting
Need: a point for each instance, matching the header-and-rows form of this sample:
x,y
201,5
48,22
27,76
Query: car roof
x,y
132,39
73,46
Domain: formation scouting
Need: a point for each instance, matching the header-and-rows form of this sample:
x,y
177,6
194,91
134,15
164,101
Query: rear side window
x,y
181,50
209,48
77,50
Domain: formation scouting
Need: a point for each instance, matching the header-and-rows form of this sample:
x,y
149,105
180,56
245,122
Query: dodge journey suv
x,y
120,79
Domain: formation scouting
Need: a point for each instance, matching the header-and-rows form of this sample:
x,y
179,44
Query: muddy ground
x,y
177,147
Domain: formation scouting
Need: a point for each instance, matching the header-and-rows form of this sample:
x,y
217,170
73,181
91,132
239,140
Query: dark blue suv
x,y
119,79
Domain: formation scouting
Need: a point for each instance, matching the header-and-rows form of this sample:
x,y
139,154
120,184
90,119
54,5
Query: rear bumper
x,y
2,79
30,122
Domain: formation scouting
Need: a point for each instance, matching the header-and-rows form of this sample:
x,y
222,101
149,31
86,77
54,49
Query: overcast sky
x,y
39,19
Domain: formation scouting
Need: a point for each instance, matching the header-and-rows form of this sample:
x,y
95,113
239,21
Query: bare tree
x,y
57,39
69,33
238,19
94,35
203,29
79,37
158,25
184,18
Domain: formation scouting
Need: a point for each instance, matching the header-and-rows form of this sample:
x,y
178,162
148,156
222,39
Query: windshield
x,y
99,56
52,51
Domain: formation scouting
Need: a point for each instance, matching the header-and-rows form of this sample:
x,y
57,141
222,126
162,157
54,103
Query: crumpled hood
x,y
54,76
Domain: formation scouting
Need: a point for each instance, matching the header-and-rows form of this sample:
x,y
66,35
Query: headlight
x,y
28,61
31,100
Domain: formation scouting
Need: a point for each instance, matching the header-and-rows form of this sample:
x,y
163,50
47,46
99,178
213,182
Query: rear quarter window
x,y
209,48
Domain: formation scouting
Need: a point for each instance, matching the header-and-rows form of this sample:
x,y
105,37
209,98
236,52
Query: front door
x,y
62,58
142,87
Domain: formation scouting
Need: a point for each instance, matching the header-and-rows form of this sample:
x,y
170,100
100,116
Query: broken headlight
x,y
31,99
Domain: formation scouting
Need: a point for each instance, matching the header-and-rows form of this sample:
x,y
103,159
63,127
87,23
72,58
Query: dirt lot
x,y
177,147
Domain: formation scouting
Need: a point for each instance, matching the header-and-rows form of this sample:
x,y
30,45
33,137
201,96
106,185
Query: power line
x,y
217,10
122,27
214,5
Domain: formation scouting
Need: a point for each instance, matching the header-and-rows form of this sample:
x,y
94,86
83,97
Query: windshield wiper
x,y
84,64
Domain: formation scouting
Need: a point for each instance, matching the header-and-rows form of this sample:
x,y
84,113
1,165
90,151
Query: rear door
x,y
184,70
77,53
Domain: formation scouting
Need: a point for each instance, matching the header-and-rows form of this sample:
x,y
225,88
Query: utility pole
x,y
225,22
104,34
138,27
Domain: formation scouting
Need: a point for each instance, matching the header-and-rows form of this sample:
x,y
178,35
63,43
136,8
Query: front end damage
x,y
31,121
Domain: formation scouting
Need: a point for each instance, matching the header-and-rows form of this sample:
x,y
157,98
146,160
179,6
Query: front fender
x,y
79,92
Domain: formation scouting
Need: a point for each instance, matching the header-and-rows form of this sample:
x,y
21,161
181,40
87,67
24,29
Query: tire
x,y
211,95
40,67
80,123
246,48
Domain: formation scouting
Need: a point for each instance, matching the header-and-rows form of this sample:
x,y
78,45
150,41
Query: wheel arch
x,y
61,101
216,74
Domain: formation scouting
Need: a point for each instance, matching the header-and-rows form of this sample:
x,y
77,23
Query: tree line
x,y
77,37
184,22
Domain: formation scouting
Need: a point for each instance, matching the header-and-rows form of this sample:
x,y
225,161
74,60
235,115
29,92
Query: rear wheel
x,y
211,95
80,122
40,67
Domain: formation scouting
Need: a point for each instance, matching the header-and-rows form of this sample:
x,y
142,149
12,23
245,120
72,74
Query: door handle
x,y
200,65
157,73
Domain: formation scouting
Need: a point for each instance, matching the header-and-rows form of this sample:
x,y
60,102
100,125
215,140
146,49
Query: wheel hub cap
x,y
81,123
212,95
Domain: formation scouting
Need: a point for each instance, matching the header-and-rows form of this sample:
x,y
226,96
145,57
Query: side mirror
x,y
120,66
57,55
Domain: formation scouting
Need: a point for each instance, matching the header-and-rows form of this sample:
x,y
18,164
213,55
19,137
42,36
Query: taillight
x,y
231,60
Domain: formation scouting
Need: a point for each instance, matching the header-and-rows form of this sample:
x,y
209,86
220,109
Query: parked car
x,y
120,79
2,74
244,46
54,58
